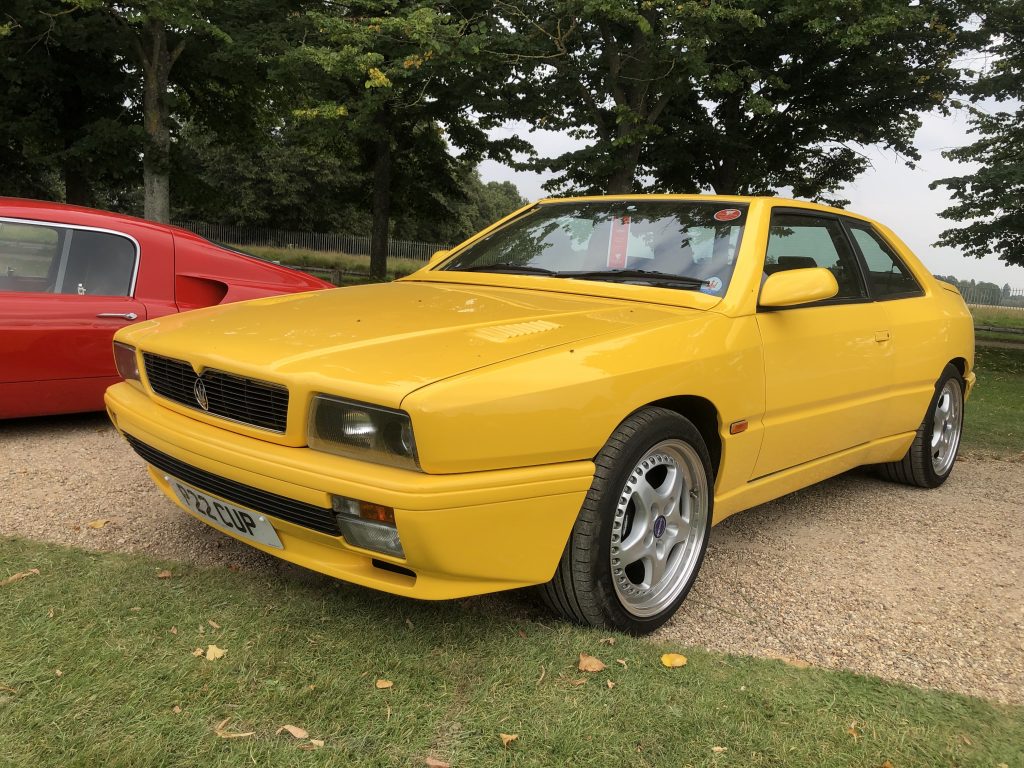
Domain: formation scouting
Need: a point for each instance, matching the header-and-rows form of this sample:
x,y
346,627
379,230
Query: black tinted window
x,y
98,264
797,242
887,275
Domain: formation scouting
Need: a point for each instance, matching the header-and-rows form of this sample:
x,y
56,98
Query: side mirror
x,y
438,257
798,286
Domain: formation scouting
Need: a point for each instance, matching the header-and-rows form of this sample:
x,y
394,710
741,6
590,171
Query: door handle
x,y
882,336
122,315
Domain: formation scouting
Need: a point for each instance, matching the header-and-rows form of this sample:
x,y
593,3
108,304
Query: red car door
x,y
64,291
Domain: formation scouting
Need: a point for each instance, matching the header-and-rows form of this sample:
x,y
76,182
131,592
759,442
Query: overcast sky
x,y
890,192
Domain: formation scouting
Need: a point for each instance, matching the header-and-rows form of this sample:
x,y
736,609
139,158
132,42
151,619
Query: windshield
x,y
671,243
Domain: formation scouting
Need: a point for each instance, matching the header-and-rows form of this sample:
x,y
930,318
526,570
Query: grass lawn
x,y
309,653
300,257
998,317
995,413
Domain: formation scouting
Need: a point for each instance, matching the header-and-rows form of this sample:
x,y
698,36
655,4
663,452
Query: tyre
x,y
931,456
642,531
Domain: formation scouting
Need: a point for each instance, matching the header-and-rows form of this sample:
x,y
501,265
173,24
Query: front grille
x,y
247,401
298,512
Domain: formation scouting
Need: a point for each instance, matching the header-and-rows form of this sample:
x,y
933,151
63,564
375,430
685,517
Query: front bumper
x,y
463,534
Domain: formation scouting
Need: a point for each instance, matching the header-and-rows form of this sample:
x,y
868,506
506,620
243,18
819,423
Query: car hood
x,y
381,342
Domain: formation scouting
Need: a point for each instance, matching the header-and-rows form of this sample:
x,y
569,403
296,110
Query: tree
x,y
991,198
750,95
396,75
65,129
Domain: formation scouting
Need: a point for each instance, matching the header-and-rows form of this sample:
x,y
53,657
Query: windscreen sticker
x,y
618,243
728,214
712,285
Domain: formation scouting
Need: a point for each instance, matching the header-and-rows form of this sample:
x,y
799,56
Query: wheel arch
x,y
960,364
704,416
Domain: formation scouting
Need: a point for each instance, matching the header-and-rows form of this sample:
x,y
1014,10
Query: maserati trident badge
x,y
199,390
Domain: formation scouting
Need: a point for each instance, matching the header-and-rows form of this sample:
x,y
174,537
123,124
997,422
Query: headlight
x,y
361,431
126,361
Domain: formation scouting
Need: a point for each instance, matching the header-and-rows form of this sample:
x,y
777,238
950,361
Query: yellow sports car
x,y
570,398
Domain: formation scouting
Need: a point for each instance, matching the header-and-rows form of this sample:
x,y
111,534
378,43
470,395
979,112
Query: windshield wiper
x,y
660,279
506,268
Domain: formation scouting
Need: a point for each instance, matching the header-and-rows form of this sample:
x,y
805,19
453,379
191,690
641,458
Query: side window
x,y
29,256
887,275
98,264
46,258
797,241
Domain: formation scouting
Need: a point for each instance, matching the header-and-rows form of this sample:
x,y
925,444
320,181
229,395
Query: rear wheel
x,y
931,456
640,538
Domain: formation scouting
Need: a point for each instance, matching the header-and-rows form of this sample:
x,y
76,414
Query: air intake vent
x,y
247,401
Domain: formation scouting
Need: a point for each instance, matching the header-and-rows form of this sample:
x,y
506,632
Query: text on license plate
x,y
227,517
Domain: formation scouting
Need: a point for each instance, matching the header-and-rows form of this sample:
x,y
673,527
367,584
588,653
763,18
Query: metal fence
x,y
989,296
339,242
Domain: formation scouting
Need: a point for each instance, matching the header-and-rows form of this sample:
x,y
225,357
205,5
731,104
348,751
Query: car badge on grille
x,y
199,390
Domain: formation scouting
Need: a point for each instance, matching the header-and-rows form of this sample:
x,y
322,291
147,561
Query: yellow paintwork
x,y
800,286
514,382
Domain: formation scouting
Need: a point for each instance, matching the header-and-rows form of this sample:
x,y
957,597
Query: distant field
x,y
999,317
345,262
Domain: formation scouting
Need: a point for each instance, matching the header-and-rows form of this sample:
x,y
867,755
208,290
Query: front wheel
x,y
930,458
641,534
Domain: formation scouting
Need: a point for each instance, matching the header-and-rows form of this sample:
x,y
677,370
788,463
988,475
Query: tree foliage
x,y
740,96
991,198
65,130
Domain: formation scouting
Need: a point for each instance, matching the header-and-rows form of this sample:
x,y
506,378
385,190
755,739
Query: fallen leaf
x,y
408,623
578,683
135,608
298,733
966,741
521,634
610,684
8,689
508,738
719,750
853,731
233,568
310,687
430,762
164,574
213,653
607,641
224,734
672,660
622,662
317,742
58,673
173,630
50,614
887,764
543,672
197,652
176,709
382,684
213,623
798,663
590,663
97,524
19,576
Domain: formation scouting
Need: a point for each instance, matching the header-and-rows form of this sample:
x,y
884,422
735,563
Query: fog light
x,y
366,525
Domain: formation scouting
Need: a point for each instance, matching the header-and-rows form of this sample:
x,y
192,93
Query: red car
x,y
70,277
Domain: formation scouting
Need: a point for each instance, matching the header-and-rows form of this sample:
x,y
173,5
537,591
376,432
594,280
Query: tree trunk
x,y
156,61
381,210
623,177
77,189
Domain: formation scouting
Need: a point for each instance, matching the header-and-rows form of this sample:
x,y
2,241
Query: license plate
x,y
245,523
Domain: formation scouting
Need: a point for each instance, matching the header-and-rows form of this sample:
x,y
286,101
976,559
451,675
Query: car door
x,y
913,322
64,291
828,365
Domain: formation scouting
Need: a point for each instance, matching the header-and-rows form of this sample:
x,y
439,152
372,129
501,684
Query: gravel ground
x,y
923,587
